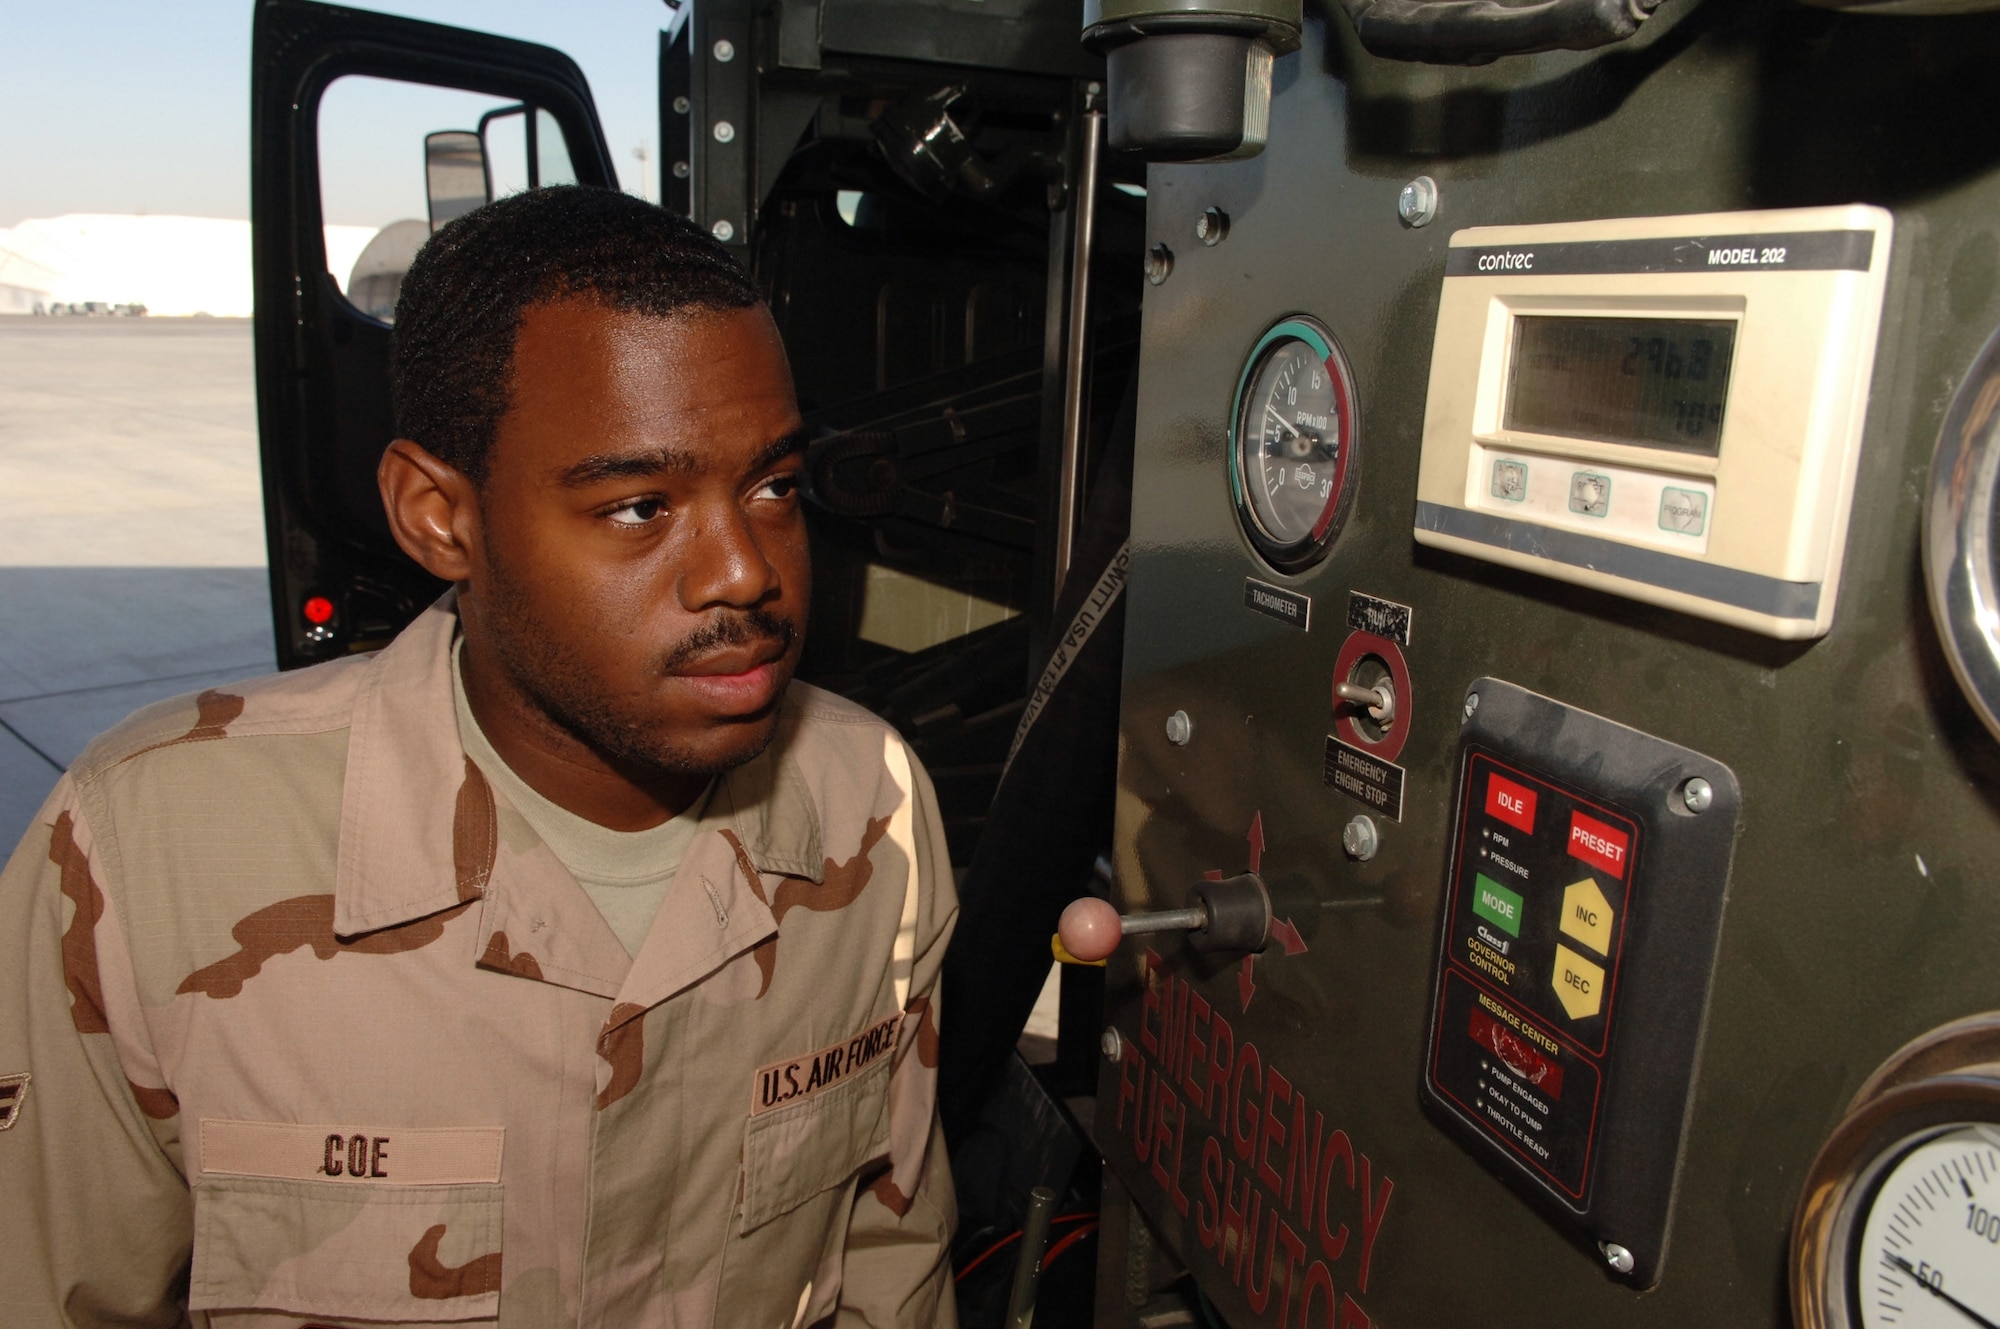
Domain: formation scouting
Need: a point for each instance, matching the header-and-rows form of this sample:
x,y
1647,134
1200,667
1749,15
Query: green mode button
x,y
1496,904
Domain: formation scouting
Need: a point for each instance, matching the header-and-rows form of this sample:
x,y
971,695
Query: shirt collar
x,y
416,822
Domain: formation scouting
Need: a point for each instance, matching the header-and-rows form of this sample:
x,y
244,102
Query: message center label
x,y
1536,919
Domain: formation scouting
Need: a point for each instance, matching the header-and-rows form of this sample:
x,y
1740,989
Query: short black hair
x,y
452,350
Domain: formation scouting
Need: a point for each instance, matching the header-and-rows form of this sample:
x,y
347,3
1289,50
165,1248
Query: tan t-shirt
x,y
625,873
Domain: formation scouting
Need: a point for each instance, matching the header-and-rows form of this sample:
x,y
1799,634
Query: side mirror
x,y
456,179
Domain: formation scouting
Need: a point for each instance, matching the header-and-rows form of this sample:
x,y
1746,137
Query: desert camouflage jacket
x,y
300,1024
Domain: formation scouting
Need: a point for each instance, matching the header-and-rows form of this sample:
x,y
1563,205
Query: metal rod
x,y
1028,1263
1091,140
1381,702
1166,920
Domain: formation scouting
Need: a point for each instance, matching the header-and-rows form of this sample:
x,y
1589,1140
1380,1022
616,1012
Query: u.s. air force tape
x,y
784,1082
351,1152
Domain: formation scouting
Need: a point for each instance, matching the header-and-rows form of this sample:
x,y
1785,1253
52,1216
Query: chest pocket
x,y
795,1152
359,1248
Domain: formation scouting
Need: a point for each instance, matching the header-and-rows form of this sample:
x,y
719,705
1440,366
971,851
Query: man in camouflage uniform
x,y
357,995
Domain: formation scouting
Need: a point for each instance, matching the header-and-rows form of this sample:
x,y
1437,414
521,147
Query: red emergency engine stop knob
x,y
318,610
1232,915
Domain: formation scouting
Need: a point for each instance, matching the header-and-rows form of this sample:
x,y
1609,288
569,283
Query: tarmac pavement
x,y
131,531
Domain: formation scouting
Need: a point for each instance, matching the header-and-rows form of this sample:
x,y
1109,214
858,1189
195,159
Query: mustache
x,y
747,627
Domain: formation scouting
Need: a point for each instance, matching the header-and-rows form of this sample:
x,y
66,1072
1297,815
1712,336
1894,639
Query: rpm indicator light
x,y
1293,439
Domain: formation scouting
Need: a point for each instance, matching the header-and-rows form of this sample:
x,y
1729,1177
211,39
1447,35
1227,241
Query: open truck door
x,y
338,581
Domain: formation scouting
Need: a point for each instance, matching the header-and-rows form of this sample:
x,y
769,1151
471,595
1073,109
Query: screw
x,y
680,106
1471,704
725,51
1093,87
1112,1044
1417,205
1179,729
724,131
1616,1256
1697,795
680,170
1159,264
1359,839
1212,227
724,230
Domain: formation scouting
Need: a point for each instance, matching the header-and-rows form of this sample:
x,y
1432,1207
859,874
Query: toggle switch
x,y
1379,701
1232,915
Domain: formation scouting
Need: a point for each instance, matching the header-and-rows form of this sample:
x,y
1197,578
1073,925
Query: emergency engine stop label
x,y
1527,990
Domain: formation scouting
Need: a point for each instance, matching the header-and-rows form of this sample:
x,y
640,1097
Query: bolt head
x,y
1360,839
1180,728
1159,264
681,105
1212,227
723,230
1471,704
680,170
724,131
1697,794
725,51
1616,1256
1417,204
1111,1043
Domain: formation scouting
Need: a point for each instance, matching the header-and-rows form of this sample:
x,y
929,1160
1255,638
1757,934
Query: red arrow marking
x,y
1287,934
1246,986
1256,838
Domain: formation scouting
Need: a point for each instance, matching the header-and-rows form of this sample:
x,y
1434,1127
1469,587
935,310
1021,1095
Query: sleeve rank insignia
x,y
13,1093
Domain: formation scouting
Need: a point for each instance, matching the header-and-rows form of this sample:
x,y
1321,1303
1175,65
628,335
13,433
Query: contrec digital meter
x,y
1666,408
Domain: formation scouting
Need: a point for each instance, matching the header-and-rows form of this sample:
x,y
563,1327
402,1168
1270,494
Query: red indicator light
x,y
1529,1066
318,610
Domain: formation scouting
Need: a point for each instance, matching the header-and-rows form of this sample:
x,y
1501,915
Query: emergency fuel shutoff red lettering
x,y
1599,845
1511,803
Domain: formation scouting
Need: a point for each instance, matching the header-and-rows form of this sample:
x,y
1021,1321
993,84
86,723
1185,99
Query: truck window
x,y
387,214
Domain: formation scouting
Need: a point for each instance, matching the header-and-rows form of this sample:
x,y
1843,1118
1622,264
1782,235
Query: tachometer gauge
x,y
1293,440
1899,1223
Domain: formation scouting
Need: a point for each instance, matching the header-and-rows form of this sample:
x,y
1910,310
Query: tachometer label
x,y
1279,603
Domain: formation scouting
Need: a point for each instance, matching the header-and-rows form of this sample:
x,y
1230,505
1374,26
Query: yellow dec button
x,y
1586,916
1579,984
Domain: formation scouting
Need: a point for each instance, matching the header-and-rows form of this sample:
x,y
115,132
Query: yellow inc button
x,y
1579,984
1586,916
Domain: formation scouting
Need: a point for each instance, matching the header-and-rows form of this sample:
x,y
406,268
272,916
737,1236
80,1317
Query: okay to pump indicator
x,y
1293,434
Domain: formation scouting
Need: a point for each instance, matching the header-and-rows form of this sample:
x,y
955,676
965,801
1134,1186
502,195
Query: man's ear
x,y
433,509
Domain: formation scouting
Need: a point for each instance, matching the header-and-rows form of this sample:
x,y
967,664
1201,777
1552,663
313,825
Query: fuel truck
x,y
1439,552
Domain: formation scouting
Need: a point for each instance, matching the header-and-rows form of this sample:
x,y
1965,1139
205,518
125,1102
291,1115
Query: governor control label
x,y
1536,919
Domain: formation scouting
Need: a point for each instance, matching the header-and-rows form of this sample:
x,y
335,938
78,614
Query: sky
x,y
143,106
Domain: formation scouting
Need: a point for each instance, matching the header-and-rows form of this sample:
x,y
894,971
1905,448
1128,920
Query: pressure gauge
x,y
1960,535
1899,1222
1293,438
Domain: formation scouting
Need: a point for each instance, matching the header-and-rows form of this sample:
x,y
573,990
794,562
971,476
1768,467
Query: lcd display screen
x,y
1654,382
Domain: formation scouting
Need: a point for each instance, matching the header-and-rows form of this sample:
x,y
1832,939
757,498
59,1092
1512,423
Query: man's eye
x,y
780,486
639,512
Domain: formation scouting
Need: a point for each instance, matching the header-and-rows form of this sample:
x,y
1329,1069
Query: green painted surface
x,y
1496,904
